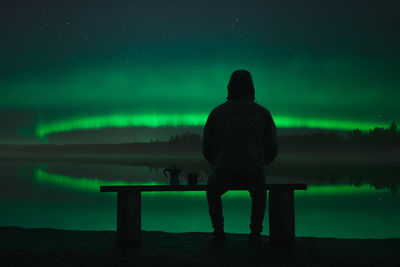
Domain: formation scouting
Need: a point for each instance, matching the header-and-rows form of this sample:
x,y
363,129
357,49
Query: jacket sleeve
x,y
208,138
271,141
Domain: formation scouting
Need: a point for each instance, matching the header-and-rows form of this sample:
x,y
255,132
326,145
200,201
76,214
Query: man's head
x,y
241,86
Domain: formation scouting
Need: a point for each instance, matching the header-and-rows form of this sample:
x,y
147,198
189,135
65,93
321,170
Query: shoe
x,y
218,237
255,238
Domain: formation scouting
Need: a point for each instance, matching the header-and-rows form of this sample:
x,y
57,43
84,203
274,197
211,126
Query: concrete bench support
x,y
128,218
281,215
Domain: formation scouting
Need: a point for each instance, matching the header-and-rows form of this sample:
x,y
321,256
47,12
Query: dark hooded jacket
x,y
240,137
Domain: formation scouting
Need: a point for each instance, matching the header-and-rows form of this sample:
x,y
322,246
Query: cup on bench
x,y
192,178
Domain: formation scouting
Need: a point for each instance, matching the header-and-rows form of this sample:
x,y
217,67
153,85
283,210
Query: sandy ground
x,y
50,247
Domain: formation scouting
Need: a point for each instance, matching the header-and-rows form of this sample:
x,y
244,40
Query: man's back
x,y
239,138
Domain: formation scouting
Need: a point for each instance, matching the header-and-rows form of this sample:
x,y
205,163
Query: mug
x,y
192,178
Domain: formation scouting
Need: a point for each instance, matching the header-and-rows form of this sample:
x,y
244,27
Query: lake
x,y
340,202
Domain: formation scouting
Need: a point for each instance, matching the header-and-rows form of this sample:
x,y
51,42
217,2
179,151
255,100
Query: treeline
x,y
376,136
186,138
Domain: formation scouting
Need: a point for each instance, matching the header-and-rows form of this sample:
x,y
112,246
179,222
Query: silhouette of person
x,y
239,141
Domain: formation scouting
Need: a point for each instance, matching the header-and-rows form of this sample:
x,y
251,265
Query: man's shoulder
x,y
262,109
219,108
256,105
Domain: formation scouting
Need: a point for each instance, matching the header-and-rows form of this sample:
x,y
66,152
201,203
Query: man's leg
x,y
259,201
215,208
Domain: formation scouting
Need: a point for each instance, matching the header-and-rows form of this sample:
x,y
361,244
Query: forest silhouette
x,y
374,136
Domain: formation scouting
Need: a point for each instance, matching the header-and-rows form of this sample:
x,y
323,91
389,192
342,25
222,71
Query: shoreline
x,y
47,247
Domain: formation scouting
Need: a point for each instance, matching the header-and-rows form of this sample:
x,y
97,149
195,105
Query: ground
x,y
50,247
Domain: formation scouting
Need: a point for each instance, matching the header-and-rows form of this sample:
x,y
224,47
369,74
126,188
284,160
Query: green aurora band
x,y
191,120
90,184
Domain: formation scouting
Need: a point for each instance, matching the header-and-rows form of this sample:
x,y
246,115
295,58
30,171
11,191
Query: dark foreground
x,y
49,247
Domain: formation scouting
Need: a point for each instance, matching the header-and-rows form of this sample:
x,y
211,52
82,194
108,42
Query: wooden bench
x,y
281,209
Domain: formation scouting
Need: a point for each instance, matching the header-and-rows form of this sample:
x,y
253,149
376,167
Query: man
x,y
239,140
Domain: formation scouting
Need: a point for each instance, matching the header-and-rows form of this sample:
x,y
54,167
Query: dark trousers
x,y
258,194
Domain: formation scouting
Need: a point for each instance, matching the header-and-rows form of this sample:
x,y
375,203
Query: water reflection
x,y
93,184
66,196
80,183
89,177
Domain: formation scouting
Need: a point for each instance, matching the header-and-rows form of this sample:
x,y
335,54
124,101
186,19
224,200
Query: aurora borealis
x,y
69,65
176,120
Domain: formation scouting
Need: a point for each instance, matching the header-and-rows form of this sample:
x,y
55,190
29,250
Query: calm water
x,y
66,196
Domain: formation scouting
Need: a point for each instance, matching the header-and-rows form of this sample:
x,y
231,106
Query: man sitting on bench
x,y
239,141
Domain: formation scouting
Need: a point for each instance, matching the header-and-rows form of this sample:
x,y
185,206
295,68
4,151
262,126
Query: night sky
x,y
67,66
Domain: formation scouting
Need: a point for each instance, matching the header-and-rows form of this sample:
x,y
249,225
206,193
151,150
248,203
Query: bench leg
x,y
281,216
128,218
